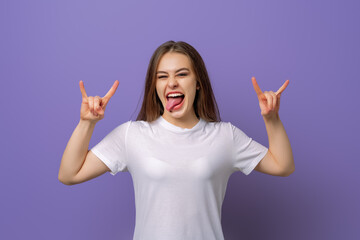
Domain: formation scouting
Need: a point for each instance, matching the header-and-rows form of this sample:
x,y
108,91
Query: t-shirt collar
x,y
163,122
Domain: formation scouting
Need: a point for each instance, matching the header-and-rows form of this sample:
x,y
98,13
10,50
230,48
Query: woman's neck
x,y
184,122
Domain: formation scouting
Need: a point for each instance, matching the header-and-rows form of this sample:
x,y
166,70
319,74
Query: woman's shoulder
x,y
134,122
139,124
219,123
222,125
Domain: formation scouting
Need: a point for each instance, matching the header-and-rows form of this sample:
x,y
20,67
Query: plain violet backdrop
x,y
47,47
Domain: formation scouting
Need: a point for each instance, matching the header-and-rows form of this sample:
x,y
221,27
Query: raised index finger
x,y
282,88
112,90
256,86
82,89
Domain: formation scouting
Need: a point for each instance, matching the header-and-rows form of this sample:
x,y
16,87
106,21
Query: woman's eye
x,y
181,74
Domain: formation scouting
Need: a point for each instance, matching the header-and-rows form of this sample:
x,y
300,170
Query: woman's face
x,y
175,74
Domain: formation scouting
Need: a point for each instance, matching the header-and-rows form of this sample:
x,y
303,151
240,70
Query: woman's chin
x,y
177,113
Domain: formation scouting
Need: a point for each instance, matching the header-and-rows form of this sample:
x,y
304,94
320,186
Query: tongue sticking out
x,y
172,102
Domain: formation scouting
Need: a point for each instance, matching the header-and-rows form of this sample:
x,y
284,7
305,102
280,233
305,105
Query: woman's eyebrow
x,y
175,72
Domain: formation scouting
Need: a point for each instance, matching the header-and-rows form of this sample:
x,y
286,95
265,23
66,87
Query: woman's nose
x,y
172,82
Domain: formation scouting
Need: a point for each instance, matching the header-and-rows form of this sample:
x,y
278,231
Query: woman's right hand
x,y
93,108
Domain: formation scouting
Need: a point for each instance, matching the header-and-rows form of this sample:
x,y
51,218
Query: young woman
x,y
179,153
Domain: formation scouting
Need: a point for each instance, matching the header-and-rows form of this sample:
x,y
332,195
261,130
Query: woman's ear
x,y
197,86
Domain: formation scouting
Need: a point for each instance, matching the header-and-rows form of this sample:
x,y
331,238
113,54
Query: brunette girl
x,y
179,153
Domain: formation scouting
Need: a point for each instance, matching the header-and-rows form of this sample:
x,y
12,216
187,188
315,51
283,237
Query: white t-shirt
x,y
180,175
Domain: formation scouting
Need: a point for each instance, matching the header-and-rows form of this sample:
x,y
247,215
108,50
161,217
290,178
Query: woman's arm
x,y
279,147
279,160
75,151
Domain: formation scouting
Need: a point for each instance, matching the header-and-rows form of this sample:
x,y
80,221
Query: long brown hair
x,y
205,105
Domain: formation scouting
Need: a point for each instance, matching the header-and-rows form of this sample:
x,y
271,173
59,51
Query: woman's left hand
x,y
269,101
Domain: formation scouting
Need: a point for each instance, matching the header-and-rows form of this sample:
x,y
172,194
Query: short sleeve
x,y
247,152
112,149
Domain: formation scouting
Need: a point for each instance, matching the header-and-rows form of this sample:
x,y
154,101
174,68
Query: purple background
x,y
47,47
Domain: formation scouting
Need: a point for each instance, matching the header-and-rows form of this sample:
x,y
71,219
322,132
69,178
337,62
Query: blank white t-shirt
x,y
180,175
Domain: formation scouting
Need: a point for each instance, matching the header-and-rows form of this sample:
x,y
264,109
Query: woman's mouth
x,y
174,102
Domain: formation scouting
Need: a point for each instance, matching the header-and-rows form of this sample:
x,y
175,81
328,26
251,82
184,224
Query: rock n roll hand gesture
x,y
93,108
269,101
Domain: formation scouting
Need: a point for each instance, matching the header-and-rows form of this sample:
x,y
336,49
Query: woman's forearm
x,y
75,151
279,144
